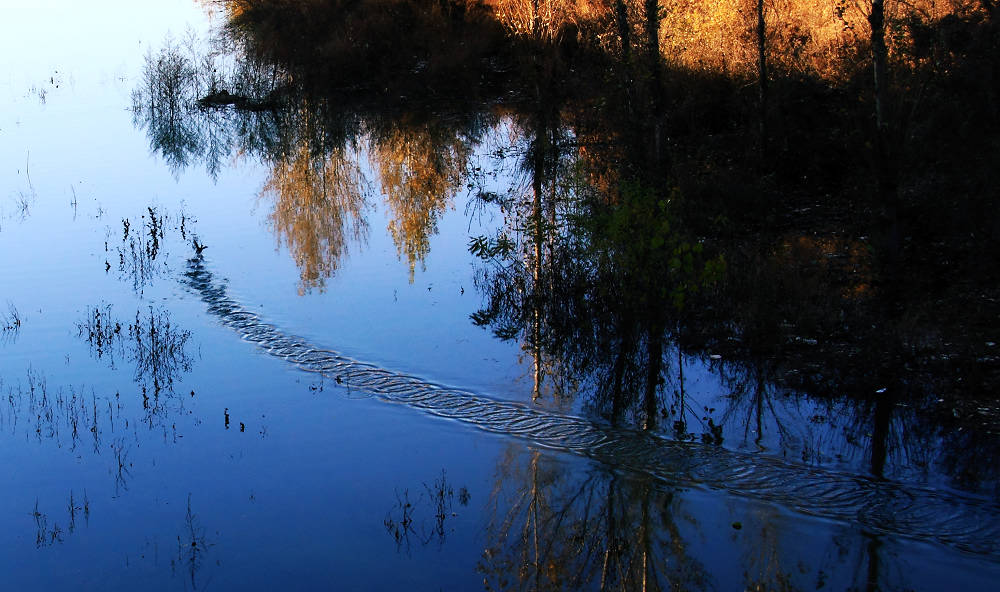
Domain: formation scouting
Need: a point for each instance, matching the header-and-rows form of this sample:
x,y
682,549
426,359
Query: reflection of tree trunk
x,y
680,426
536,390
759,393
536,337
880,433
535,494
873,564
653,370
618,377
649,581
610,551
551,206
538,173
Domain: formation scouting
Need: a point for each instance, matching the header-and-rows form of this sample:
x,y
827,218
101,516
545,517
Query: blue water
x,y
189,457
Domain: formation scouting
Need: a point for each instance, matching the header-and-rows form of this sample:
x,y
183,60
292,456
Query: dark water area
x,y
433,296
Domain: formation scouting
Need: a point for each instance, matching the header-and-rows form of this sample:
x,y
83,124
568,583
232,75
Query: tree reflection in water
x,y
419,170
553,531
156,346
319,210
554,526
604,269
196,105
613,269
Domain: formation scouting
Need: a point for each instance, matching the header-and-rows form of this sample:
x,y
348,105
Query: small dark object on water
x,y
224,98
339,380
737,525
198,248
218,99
243,428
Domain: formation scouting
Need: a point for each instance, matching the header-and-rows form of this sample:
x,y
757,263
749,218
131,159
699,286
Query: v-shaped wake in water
x,y
879,506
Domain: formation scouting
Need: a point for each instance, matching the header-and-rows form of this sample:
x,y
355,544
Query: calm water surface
x,y
230,420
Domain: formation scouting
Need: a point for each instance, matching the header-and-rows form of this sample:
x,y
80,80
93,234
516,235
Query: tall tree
x,y
655,88
624,30
885,176
762,79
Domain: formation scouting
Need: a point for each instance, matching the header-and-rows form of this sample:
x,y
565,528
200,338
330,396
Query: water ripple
x,y
966,523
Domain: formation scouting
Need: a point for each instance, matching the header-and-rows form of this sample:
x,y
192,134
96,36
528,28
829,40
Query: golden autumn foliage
x,y
319,206
230,8
419,174
519,15
803,36
806,37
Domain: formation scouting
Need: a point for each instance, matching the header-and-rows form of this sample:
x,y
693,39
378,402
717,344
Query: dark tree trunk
x,y
655,86
880,63
762,80
653,37
624,31
884,170
536,20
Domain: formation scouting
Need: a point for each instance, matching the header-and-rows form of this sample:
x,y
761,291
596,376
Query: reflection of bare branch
x,y
161,104
554,530
754,403
45,536
401,522
10,324
64,416
101,331
155,345
402,527
888,435
139,254
182,99
122,469
158,349
48,536
192,546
